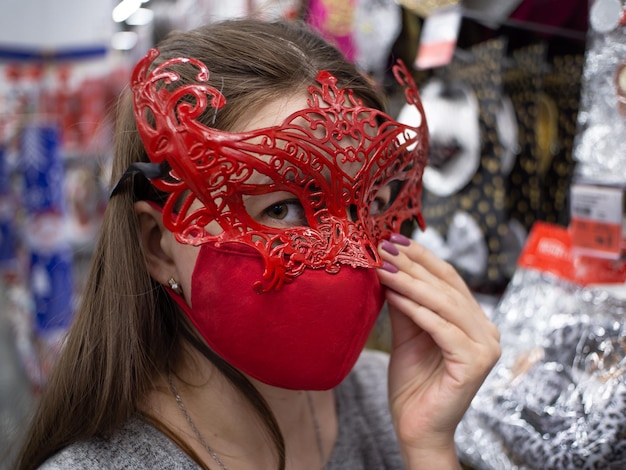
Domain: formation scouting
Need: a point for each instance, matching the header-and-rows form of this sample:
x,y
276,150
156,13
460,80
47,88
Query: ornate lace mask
x,y
333,157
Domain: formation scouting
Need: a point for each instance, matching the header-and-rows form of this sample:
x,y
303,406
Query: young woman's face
x,y
287,208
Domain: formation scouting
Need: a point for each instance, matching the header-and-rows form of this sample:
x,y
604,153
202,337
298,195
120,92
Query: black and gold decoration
x,y
483,198
562,85
545,93
522,82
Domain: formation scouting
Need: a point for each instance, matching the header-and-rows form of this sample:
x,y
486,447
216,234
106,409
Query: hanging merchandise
x,y
54,140
334,20
536,115
438,38
555,145
597,219
377,24
454,158
597,209
557,395
601,146
8,235
454,130
50,279
472,132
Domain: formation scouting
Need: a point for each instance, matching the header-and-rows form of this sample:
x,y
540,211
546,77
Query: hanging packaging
x,y
556,398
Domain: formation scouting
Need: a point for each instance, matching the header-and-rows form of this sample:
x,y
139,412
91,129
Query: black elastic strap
x,y
149,170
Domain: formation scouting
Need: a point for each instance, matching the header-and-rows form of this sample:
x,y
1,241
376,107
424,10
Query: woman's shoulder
x,y
137,445
363,393
371,369
366,385
366,438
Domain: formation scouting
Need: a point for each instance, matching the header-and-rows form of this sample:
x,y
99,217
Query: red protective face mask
x,y
306,336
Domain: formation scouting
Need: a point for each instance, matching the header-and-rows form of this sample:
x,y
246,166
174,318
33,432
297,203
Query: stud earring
x,y
175,286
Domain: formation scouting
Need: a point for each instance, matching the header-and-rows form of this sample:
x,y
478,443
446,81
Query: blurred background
x,y
525,108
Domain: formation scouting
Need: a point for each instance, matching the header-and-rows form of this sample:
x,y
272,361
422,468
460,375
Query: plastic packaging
x,y
556,398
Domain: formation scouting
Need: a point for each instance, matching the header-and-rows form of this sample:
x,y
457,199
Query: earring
x,y
175,286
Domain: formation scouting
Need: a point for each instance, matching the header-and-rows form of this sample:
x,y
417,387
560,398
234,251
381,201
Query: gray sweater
x,y
366,439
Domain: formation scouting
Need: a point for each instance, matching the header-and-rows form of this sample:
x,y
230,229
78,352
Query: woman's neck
x,y
231,428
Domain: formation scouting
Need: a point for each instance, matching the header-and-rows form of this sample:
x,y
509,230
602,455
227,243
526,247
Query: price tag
x,y
440,32
597,215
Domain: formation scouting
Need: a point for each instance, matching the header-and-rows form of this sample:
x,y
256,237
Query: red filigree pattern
x,y
334,156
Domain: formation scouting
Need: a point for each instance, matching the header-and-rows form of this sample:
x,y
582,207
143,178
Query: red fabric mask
x,y
306,336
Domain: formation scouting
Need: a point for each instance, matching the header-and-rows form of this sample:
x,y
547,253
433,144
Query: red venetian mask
x,y
334,156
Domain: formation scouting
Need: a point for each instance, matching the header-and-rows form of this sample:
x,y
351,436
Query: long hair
x,y
127,331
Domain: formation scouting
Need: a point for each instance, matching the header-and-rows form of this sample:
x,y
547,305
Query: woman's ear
x,y
156,241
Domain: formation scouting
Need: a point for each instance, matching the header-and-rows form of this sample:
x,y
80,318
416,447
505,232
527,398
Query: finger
x,y
429,261
403,328
455,345
424,289
466,359
445,290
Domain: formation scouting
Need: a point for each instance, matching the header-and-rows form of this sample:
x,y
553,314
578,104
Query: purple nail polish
x,y
399,239
389,267
389,248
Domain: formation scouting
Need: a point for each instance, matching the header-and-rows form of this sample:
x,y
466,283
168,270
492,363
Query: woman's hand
x,y
443,348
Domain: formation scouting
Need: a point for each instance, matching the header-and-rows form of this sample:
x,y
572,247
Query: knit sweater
x,y
365,440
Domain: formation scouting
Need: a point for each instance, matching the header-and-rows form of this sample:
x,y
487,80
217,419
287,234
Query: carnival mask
x,y
334,157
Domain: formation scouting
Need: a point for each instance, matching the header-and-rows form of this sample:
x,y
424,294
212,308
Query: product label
x,y
596,220
549,249
440,32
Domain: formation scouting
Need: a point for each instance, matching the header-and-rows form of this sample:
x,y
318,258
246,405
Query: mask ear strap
x,y
149,170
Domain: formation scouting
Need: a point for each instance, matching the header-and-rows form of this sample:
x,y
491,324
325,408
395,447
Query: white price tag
x,y
440,32
602,204
596,220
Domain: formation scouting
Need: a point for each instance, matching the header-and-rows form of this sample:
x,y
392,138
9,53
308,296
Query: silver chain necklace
x,y
192,425
209,449
316,428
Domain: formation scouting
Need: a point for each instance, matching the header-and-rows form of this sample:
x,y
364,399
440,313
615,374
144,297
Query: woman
x,y
246,251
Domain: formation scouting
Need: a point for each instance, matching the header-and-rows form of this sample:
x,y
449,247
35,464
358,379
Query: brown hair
x,y
127,331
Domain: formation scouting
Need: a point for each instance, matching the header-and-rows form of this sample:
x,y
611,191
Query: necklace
x,y
209,449
316,428
192,425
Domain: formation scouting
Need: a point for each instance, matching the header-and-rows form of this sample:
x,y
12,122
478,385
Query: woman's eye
x,y
378,206
277,211
286,213
385,197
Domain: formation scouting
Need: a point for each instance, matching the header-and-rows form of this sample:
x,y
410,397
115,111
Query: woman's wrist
x,y
441,459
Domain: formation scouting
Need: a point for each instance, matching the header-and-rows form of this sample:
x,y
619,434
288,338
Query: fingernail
x,y
389,248
399,239
389,267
